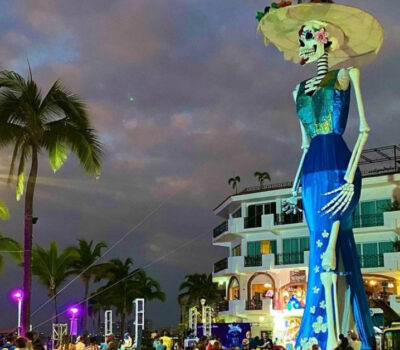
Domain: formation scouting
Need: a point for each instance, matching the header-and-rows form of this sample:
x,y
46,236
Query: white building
x,y
265,271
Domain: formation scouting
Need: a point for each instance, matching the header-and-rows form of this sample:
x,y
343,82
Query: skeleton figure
x,y
331,184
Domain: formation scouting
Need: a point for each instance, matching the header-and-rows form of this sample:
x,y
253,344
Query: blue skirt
x,y
323,170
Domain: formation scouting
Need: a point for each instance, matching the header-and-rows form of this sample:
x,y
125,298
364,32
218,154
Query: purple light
x,y
17,294
74,310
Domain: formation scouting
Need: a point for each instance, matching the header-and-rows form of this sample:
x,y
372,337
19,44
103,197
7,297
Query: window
x,y
371,254
258,248
294,248
255,211
370,213
237,251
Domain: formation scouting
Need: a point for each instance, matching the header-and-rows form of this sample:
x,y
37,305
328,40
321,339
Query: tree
x,y
196,287
52,269
261,177
86,266
124,285
233,181
56,123
7,244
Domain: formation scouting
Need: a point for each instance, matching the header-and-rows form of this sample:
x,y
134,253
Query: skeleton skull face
x,y
312,40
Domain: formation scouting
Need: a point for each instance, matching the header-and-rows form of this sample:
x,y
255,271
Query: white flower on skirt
x,y
319,326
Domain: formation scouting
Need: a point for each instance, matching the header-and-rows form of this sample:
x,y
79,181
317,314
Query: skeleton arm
x,y
364,127
290,205
345,193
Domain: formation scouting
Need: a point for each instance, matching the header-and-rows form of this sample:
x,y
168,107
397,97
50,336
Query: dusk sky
x,y
184,95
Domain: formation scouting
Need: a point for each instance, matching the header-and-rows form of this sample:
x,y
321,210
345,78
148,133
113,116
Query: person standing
x,y
93,344
167,340
111,343
127,342
355,342
266,342
9,345
81,342
66,344
160,345
20,344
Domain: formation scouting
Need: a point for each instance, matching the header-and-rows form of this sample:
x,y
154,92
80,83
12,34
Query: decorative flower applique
x,y
307,343
312,310
315,290
325,234
322,255
319,244
316,269
319,326
322,304
321,36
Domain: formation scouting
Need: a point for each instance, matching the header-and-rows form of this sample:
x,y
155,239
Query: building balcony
x,y
244,307
221,265
220,229
289,259
238,264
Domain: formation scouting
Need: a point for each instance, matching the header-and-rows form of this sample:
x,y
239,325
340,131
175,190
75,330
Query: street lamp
x,y
73,311
203,310
18,295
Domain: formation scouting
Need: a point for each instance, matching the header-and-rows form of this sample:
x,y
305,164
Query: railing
x,y
254,304
284,219
220,229
223,306
289,258
250,261
221,265
267,187
375,260
368,220
252,222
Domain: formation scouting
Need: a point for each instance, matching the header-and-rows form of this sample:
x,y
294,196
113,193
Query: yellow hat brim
x,y
361,33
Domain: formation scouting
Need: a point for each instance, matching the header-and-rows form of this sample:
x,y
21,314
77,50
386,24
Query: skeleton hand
x,y
290,206
341,201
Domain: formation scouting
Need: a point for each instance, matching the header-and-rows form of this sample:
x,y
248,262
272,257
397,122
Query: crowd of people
x,y
31,341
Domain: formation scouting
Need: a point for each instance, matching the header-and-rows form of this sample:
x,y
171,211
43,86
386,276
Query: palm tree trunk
x,y
30,189
86,306
123,316
55,305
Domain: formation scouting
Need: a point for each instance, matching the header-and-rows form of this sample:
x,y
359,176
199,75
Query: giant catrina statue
x,y
341,37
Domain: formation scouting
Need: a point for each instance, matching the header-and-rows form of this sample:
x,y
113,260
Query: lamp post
x,y
73,311
18,295
203,310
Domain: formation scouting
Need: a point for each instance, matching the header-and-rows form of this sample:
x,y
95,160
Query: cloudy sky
x,y
184,95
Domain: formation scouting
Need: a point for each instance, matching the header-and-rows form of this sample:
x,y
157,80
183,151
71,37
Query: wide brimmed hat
x,y
359,34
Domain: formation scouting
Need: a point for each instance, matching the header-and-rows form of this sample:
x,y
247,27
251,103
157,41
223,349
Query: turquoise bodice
x,y
326,111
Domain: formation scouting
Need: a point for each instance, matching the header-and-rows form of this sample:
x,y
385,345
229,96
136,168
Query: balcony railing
x,y
284,219
220,229
251,261
368,220
254,305
223,306
252,222
221,265
375,260
289,258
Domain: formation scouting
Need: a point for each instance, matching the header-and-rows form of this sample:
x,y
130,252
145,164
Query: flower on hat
x,y
321,36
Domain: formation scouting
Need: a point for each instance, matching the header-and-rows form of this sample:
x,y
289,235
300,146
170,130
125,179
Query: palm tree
x,y
233,181
86,266
52,269
7,244
196,287
261,177
124,285
56,123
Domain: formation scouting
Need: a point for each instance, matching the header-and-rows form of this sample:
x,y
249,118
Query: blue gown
x,y
324,117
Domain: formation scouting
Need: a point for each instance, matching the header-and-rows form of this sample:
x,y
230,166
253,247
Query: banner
x,y
230,335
